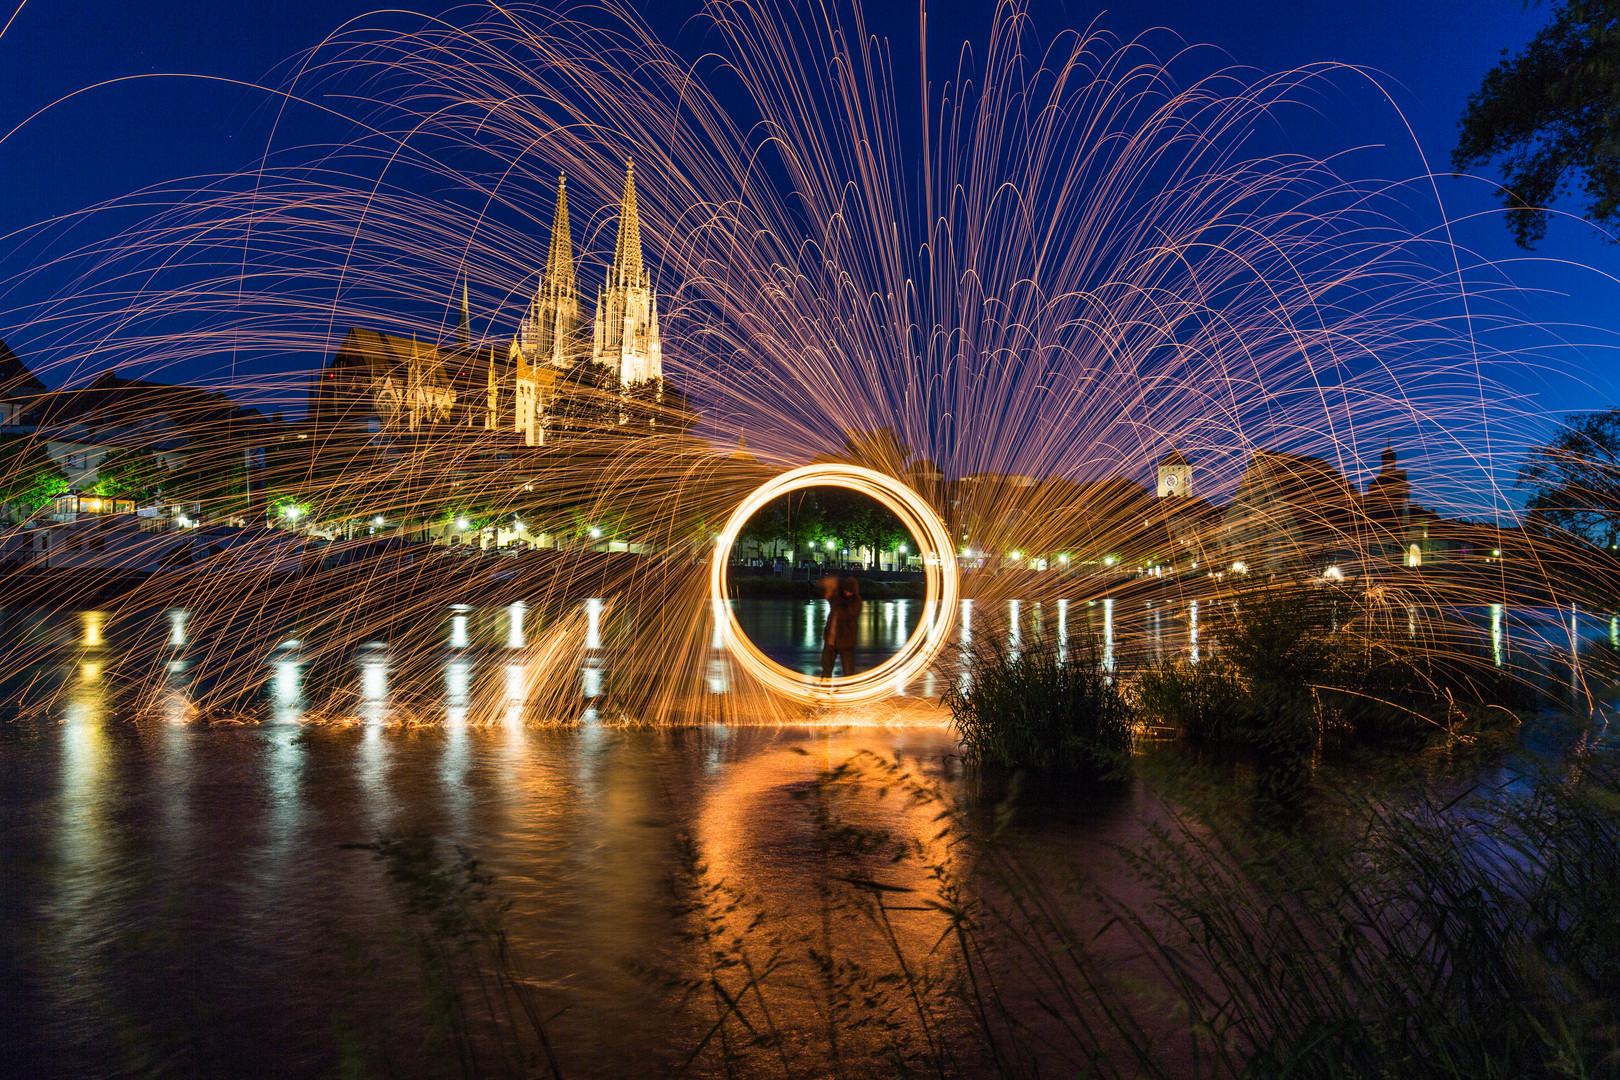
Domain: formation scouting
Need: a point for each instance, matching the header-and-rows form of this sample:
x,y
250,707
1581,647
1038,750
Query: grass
x,y
1035,708
1444,934
1303,668
1200,702
481,1015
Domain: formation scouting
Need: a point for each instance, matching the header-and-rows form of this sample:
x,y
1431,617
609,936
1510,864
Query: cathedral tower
x,y
626,338
551,336
553,330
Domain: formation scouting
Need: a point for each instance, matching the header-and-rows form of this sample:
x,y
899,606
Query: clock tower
x,y
1175,476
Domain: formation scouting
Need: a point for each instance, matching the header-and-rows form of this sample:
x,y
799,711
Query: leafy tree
x,y
881,449
1574,481
855,520
587,402
1550,115
131,474
656,406
28,476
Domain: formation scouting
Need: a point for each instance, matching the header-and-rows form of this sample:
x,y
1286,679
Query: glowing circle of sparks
x,y
939,573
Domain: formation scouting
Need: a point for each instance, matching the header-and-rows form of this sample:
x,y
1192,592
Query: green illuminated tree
x,y
28,476
131,474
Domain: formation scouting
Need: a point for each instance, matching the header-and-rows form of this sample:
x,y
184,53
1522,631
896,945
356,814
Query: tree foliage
x,y
808,519
131,473
1574,481
28,476
1551,116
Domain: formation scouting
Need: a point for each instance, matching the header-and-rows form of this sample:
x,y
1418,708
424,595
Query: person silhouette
x,y
843,625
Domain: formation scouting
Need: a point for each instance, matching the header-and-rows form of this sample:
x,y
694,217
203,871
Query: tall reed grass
x,y
1435,934
1041,708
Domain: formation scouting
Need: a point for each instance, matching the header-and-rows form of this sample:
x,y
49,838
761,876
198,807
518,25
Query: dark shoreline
x,y
567,577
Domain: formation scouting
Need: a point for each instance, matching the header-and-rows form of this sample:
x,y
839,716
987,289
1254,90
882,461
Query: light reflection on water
x,y
155,866
482,664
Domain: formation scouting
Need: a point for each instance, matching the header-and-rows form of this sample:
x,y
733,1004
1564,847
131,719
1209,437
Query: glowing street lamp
x,y
461,524
596,534
378,520
292,513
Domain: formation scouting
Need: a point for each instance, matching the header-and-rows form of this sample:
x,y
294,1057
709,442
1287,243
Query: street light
x,y
291,513
596,534
461,524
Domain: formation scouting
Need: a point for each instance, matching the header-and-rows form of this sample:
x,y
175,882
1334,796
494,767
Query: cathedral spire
x,y
627,269
560,259
464,327
626,337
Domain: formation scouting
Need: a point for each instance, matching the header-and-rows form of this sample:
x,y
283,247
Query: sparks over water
x,y
1068,265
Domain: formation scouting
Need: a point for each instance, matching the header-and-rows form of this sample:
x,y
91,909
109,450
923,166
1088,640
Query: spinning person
x,y
843,621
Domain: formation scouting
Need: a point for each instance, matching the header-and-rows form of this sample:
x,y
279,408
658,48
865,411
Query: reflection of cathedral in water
x,y
384,382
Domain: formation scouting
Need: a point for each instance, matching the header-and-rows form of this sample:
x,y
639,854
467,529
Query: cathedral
x,y
384,382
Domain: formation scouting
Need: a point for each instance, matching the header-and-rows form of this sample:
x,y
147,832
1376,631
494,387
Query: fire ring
x,y
939,572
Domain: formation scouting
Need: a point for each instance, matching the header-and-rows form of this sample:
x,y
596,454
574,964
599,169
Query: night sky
x,y
110,140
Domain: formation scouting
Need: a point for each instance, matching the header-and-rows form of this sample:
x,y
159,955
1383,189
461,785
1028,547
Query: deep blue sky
x,y
109,141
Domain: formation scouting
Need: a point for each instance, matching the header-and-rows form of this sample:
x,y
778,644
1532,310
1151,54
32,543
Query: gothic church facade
x,y
387,383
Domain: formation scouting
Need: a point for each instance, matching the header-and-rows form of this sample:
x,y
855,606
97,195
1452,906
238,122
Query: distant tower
x,y
551,336
1388,500
1175,476
626,338
464,327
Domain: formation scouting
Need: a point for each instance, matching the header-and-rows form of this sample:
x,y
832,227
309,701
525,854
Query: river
x,y
177,896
